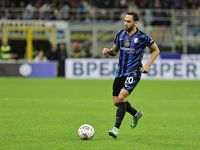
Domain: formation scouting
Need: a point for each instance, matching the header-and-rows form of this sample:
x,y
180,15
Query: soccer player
x,y
131,43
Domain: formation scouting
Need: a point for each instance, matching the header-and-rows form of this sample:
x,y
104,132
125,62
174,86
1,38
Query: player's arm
x,y
155,52
112,52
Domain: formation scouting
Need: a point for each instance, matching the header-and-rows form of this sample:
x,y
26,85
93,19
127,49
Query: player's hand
x,y
145,69
105,51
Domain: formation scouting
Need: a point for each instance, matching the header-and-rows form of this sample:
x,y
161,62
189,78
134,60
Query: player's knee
x,y
115,103
121,99
123,96
115,100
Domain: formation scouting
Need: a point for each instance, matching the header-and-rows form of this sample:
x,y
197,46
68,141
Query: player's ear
x,y
135,22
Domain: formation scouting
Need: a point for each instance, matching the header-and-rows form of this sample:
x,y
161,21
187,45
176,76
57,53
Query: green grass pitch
x,y
45,114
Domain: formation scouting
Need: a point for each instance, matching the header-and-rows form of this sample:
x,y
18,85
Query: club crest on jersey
x,y
136,40
127,44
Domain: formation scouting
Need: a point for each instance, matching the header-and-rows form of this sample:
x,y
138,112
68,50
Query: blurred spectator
x,y
76,52
62,55
107,16
99,3
22,4
20,8
63,14
44,10
123,4
62,52
176,4
90,11
45,7
118,11
99,15
53,55
28,12
53,11
156,3
72,12
132,6
12,13
109,3
158,15
66,6
36,14
87,52
40,57
142,5
6,52
3,3
148,15
81,9
166,6
35,52
30,7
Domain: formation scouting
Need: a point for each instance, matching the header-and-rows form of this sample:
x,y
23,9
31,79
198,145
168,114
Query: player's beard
x,y
130,28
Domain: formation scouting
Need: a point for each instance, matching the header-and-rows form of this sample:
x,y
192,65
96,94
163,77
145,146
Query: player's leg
x,y
136,114
114,131
120,101
130,85
117,86
121,110
129,108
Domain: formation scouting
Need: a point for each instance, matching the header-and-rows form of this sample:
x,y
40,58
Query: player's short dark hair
x,y
134,14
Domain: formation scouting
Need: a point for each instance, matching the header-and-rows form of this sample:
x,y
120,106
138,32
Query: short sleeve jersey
x,y
131,49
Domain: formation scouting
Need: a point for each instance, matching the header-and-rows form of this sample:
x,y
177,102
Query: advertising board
x,y
106,68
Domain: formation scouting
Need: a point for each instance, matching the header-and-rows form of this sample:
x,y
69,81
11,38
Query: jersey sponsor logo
x,y
127,49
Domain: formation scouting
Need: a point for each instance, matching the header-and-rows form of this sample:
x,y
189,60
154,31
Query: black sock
x,y
121,110
130,109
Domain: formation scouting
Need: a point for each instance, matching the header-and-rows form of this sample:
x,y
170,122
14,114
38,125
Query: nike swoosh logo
x,y
127,86
121,39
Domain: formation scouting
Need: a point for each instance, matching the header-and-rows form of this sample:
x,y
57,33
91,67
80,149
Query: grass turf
x,y
46,114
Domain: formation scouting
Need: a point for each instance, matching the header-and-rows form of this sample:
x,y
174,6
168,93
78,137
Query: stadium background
x,y
83,27
39,110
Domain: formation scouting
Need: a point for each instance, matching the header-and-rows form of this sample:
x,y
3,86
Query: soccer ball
x,y
86,132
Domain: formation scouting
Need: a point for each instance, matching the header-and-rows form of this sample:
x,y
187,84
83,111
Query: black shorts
x,y
127,82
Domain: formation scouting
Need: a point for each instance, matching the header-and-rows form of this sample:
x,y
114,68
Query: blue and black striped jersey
x,y
131,51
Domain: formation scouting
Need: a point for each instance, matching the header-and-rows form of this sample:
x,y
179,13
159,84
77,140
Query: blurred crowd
x,y
85,9
44,4
57,53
